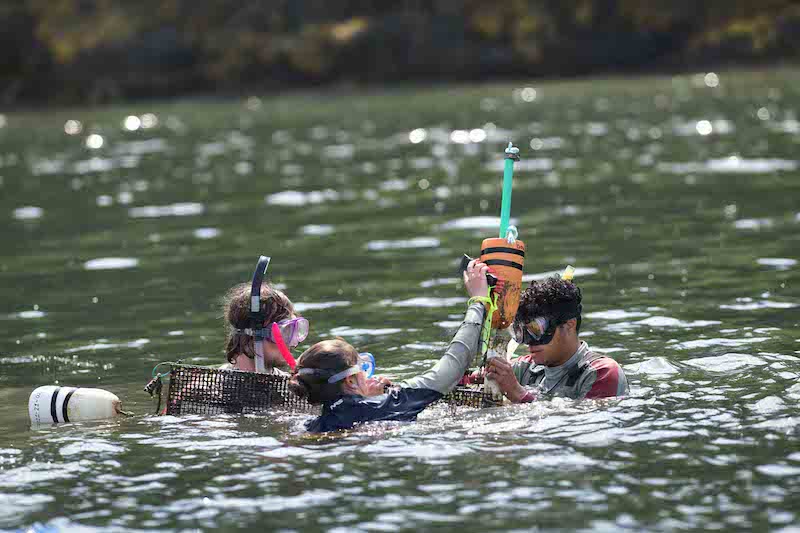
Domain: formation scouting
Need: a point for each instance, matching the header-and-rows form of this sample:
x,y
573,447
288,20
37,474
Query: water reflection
x,y
183,209
206,233
417,242
111,263
298,198
28,213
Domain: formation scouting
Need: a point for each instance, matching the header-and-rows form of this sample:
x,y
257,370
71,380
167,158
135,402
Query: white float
x,y
52,404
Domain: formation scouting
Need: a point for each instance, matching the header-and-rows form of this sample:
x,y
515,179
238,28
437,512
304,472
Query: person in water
x,y
277,328
330,373
558,363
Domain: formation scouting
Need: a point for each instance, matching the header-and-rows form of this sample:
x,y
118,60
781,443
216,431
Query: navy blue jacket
x,y
398,404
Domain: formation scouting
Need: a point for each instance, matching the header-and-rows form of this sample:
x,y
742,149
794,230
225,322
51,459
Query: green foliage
x,y
168,46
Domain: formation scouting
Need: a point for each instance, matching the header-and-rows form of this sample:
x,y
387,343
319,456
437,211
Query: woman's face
x,y
365,386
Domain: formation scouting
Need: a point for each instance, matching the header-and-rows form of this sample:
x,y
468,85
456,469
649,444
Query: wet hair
x,y
326,358
275,306
554,298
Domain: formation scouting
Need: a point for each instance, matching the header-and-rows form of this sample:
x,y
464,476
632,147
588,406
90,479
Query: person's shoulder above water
x,y
593,375
269,371
602,377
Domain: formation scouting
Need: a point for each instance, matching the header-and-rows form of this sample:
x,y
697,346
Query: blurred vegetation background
x,y
64,51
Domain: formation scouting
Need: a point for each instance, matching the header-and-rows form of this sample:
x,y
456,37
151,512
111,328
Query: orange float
x,y
505,260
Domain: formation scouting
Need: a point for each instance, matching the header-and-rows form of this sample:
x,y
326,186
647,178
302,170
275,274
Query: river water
x,y
675,197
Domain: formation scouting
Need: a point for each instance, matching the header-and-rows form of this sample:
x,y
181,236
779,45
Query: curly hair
x,y
553,298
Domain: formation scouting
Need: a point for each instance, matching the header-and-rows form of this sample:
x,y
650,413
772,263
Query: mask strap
x,y
344,373
279,342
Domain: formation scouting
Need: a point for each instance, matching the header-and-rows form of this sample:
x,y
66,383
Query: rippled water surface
x,y
676,199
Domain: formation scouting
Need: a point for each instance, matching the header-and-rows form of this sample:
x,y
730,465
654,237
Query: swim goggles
x,y
293,331
538,331
366,364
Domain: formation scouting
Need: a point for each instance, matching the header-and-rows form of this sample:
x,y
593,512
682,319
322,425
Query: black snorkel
x,y
256,319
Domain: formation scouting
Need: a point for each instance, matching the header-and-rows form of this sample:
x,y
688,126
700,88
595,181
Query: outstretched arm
x,y
448,371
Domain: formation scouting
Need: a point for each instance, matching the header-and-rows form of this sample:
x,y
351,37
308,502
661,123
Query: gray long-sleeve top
x,y
447,372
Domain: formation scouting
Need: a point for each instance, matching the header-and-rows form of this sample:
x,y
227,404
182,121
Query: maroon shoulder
x,y
606,383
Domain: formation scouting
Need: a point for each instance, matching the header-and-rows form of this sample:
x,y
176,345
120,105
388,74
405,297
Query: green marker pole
x,y
512,154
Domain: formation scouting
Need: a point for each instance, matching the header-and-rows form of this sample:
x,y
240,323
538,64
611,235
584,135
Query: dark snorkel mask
x,y
541,329
257,321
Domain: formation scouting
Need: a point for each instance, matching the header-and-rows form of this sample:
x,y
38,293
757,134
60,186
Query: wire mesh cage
x,y
203,390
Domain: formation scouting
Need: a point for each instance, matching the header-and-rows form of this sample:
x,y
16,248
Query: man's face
x,y
558,350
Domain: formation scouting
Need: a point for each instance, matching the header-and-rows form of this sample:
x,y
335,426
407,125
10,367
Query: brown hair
x,y
327,358
275,306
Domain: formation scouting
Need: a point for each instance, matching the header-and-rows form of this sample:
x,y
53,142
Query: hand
x,y
473,378
477,376
475,278
500,371
377,385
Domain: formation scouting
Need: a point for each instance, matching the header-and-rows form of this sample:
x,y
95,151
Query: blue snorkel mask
x,y
366,364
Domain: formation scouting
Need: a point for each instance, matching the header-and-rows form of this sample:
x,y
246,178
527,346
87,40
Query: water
x,y
676,201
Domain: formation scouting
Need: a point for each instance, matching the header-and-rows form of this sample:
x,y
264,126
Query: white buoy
x,y
51,404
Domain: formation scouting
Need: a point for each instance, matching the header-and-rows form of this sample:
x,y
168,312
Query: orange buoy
x,y
505,261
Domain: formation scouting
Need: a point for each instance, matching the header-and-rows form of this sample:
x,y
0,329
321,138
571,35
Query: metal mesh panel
x,y
469,397
201,390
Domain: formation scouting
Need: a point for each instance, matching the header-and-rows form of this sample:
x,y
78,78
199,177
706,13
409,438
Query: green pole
x,y
512,154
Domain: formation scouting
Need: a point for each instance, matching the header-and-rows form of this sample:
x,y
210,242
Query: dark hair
x,y
275,306
554,298
327,358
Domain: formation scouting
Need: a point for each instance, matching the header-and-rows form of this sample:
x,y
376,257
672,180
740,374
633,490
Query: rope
x,y
486,330
155,374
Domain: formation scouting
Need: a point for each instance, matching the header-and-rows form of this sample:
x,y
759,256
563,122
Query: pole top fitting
x,y
512,152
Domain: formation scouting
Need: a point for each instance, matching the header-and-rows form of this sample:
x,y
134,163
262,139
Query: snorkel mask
x,y
366,364
292,331
538,331
295,329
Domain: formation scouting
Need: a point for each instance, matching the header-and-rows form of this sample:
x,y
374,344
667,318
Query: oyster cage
x,y
203,390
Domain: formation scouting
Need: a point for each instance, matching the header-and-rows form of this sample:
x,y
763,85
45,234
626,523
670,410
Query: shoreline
x,y
370,89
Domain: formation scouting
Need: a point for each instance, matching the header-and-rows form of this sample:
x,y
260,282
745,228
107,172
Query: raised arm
x,y
446,373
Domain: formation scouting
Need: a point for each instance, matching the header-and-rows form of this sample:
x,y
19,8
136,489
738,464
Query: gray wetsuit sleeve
x,y
445,374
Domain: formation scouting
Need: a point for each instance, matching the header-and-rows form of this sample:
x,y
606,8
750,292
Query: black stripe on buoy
x,y
53,405
502,250
64,406
503,262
